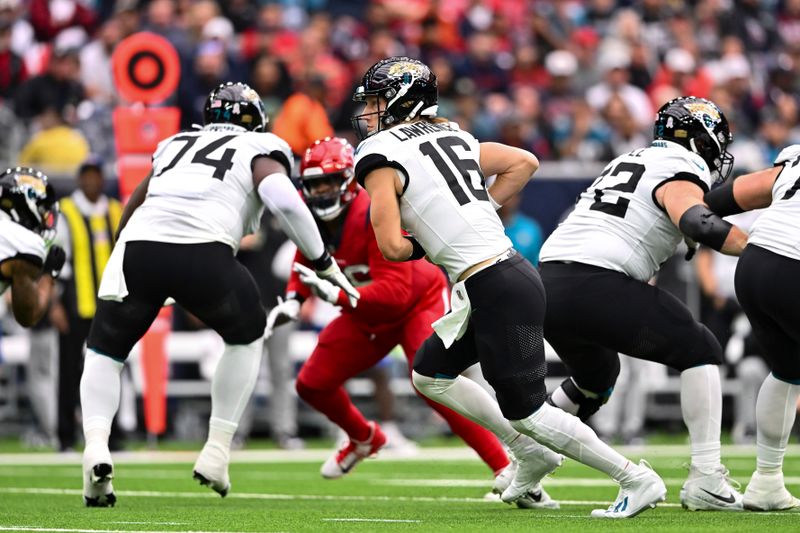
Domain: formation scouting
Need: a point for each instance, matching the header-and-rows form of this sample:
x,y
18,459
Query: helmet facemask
x,y
328,205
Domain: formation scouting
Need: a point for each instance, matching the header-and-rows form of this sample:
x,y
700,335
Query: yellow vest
x,y
92,239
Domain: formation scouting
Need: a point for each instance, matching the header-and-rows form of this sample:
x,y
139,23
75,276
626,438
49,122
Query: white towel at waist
x,y
112,286
453,325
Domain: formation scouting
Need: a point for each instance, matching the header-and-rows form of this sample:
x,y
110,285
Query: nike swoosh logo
x,y
726,499
698,165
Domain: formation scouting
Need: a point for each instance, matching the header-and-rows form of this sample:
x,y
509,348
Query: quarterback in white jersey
x,y
426,176
445,206
178,235
596,265
28,213
768,290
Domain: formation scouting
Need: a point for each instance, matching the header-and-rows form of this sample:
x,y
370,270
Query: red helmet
x,y
331,159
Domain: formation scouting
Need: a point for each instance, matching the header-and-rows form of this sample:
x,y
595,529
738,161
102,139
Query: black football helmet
x,y
237,104
29,200
699,126
407,85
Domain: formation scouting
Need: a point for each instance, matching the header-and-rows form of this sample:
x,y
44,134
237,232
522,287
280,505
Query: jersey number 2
x,y
464,167
220,166
620,207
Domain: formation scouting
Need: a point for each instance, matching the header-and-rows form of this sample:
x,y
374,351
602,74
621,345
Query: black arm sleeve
x,y
721,200
418,252
372,162
701,224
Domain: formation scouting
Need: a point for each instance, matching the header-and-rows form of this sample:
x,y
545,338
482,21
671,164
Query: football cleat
x,y
533,463
98,471
211,468
711,492
505,477
768,493
637,495
537,498
352,453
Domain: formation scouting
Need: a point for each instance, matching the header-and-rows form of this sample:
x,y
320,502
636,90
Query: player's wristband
x,y
322,262
417,251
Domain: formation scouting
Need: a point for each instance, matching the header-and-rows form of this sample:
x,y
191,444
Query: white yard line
x,y
391,520
313,456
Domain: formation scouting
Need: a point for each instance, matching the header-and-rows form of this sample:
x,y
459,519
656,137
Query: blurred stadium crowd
x,y
568,80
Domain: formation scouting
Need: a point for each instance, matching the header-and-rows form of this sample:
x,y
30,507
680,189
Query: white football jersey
x,y
616,223
444,204
202,188
778,227
18,241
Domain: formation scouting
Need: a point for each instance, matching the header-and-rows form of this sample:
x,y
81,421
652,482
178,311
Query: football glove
x,y
54,262
334,275
285,311
322,288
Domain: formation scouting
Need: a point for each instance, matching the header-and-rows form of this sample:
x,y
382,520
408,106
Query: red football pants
x,y
345,350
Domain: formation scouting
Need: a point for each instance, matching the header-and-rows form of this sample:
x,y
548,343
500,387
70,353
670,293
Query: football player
x,y
397,305
28,214
596,266
425,175
178,235
767,289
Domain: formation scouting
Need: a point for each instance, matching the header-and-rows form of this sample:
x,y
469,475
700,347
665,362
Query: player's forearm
x,y
510,182
281,198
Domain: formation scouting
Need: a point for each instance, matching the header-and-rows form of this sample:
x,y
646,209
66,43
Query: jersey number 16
x,y
463,166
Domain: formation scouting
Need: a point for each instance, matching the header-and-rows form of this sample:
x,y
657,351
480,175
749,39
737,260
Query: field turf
x,y
442,489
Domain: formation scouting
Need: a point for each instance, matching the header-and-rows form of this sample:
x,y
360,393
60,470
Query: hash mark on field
x,y
371,520
154,523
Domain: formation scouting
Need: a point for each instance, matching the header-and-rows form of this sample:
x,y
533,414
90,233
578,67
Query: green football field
x,y
442,489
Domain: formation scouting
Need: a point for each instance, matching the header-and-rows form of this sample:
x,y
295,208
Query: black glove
x,y
54,262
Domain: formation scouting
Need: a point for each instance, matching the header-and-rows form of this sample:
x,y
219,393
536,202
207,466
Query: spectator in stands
x,y
56,148
95,60
87,229
50,18
59,87
12,68
303,119
614,64
162,20
625,134
680,71
271,79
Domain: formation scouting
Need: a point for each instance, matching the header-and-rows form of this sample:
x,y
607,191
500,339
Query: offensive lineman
x,y
28,213
178,236
767,289
397,305
596,265
427,176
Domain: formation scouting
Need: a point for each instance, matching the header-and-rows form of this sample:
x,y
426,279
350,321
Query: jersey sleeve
x,y
17,242
787,154
272,146
160,148
371,155
683,167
